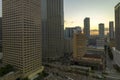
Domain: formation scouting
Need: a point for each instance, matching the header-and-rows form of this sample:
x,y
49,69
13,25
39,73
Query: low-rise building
x,y
100,42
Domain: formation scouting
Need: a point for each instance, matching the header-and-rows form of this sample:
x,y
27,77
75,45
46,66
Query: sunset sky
x,y
99,11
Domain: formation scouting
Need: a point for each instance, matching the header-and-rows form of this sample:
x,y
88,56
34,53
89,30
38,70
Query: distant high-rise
x,y
87,27
79,44
53,29
111,30
101,30
22,46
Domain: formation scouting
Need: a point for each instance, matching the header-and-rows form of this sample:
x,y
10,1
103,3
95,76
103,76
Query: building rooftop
x,y
92,56
117,5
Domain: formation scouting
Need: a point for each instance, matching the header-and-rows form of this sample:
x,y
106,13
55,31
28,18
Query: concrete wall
x,y
116,55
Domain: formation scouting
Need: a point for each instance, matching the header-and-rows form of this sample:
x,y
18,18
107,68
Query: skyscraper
x,y
117,26
111,30
79,44
116,49
87,27
22,36
53,29
101,30
101,40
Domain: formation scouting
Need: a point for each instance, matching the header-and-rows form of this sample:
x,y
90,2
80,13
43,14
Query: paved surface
x,y
69,76
57,74
112,73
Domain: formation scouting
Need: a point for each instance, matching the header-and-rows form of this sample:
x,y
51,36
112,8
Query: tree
x,y
10,67
110,54
4,70
116,67
105,47
25,78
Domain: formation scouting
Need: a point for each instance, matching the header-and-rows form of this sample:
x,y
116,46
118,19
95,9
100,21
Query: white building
x,y
116,55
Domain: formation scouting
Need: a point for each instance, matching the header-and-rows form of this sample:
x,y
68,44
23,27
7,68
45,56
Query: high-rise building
x,y
111,30
69,31
0,32
101,30
53,29
117,26
87,27
22,38
116,49
101,40
79,45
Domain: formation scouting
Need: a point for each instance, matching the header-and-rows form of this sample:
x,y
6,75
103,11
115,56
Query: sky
x,y
99,11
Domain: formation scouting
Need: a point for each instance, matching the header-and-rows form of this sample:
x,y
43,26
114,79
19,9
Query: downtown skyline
x,y
99,11
76,10
52,40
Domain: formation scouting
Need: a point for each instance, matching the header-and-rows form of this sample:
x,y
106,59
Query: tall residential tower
x,y
53,29
117,26
101,30
87,27
22,35
101,39
111,30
